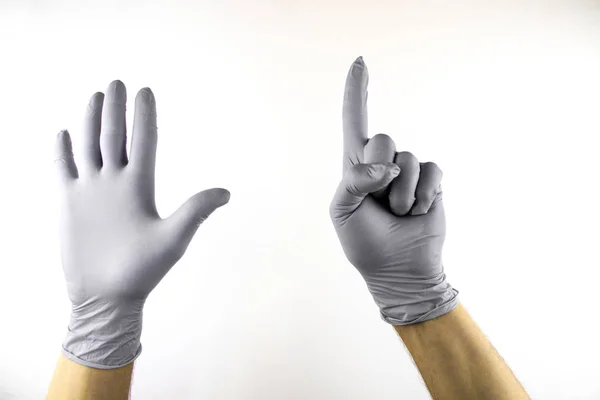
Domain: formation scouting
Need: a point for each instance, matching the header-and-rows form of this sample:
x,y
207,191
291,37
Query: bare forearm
x,y
457,361
72,381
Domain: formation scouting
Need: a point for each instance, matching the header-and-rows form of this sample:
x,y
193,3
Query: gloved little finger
x,y
63,157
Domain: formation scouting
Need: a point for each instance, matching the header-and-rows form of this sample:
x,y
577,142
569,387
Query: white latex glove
x,y
115,247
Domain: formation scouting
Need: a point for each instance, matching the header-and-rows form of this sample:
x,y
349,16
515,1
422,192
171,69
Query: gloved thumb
x,y
359,181
184,222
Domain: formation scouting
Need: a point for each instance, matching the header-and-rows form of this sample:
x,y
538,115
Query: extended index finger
x,y
354,113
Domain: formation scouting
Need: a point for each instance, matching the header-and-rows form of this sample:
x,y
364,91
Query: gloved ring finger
x,y
428,188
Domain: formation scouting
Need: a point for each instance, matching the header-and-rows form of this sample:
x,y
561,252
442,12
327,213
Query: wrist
x,y
103,334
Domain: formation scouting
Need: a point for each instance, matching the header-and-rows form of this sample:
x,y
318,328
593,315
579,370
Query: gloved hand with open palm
x,y
115,247
389,217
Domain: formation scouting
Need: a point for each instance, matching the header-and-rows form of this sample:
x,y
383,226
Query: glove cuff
x,y
104,336
416,301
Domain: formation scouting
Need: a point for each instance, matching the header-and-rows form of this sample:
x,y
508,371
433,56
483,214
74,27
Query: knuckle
x,y
111,133
407,158
432,167
380,148
381,139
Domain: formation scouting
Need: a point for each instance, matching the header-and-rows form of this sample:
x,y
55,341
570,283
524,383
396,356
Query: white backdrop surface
x,y
503,95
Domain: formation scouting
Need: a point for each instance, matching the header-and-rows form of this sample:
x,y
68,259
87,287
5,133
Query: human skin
x,y
115,248
72,381
457,361
389,216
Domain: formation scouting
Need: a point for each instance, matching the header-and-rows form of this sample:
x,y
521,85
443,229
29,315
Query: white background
x,y
504,96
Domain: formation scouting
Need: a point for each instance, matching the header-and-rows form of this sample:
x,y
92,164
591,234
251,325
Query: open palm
x,y
115,247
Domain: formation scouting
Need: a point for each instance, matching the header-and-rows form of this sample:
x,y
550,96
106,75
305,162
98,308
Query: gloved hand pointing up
x,y
389,217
